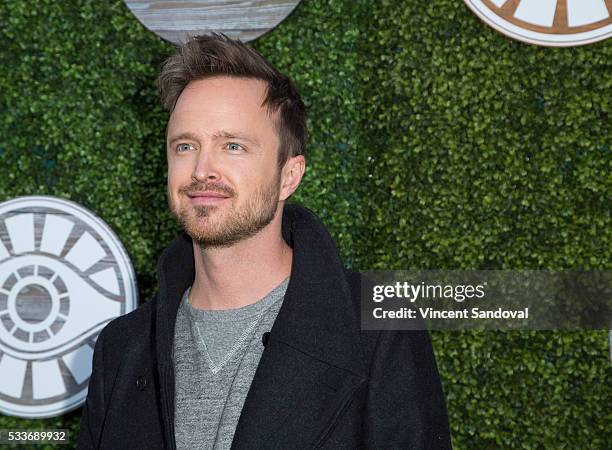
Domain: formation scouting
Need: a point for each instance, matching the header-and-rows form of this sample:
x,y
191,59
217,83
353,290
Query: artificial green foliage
x,y
435,143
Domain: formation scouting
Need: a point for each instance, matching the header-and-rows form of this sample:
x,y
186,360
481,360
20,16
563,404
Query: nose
x,y
206,167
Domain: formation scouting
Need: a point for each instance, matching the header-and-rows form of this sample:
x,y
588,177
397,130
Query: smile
x,y
207,198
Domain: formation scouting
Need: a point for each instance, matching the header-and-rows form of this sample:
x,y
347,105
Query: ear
x,y
291,176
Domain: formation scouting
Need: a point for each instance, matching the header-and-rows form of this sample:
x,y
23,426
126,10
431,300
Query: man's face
x,y
222,146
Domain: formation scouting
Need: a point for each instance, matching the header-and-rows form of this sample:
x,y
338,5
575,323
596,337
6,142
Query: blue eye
x,y
234,147
183,148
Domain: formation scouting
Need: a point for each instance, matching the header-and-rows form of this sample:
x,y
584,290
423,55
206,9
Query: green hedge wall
x,y
436,143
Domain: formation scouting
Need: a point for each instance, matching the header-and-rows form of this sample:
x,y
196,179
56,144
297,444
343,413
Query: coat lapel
x,y
175,272
312,364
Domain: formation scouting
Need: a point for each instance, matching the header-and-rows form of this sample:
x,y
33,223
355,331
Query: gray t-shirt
x,y
216,354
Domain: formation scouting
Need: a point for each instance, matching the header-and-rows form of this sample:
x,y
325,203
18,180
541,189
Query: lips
x,y
207,198
207,194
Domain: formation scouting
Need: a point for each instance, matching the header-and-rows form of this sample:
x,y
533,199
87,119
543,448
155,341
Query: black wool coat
x,y
322,382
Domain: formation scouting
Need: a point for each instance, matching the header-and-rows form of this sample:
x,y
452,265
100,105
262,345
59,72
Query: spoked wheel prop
x,y
559,23
63,276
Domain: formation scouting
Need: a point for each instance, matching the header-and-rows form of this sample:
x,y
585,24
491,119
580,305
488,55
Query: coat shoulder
x,y
377,340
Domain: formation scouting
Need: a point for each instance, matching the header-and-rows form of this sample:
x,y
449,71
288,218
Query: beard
x,y
210,226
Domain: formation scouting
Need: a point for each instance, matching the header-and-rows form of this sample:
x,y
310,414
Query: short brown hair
x,y
217,54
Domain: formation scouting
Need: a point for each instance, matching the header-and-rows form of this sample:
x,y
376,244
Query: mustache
x,y
208,187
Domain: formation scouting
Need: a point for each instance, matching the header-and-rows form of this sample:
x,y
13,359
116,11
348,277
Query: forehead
x,y
219,103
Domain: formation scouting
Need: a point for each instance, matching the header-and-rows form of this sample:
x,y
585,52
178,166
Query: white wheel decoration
x,y
553,23
63,276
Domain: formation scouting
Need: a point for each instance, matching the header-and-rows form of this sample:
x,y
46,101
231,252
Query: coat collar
x,y
318,317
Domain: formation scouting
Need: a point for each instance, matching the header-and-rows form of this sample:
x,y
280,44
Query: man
x,y
253,340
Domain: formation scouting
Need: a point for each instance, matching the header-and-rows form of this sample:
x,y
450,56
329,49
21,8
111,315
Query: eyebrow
x,y
220,134
232,135
184,136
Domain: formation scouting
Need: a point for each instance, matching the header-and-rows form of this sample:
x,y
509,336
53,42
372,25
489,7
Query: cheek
x,y
179,174
246,183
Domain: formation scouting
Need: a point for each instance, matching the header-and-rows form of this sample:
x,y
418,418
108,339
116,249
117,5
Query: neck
x,y
237,276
